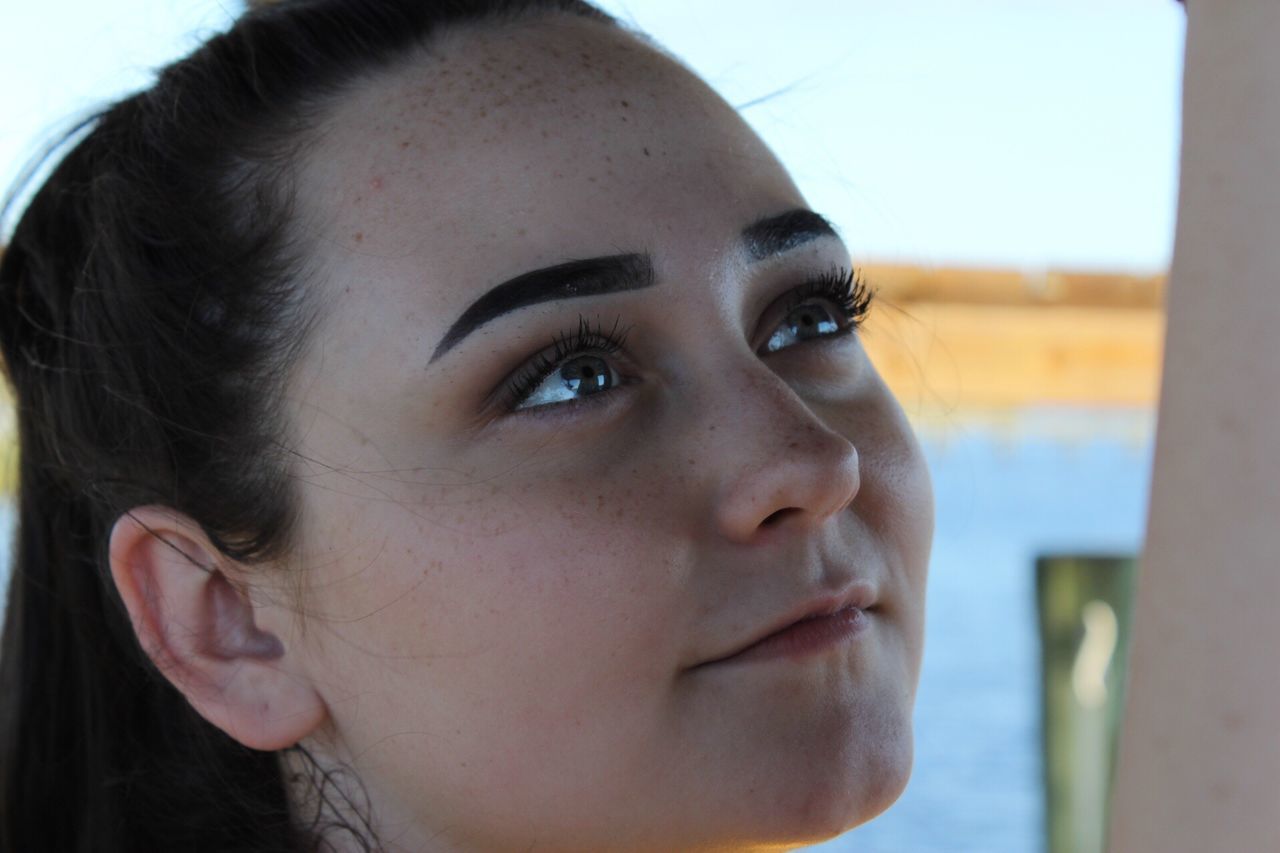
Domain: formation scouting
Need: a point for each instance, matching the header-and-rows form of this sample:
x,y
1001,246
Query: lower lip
x,y
807,637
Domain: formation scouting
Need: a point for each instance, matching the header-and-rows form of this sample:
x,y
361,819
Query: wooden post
x,y
1084,606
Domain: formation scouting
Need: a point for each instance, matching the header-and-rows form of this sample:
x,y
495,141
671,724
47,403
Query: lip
x,y
786,635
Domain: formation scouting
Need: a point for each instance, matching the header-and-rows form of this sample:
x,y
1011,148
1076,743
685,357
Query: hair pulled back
x,y
151,304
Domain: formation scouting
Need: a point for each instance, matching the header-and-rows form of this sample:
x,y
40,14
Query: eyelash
x,y
847,289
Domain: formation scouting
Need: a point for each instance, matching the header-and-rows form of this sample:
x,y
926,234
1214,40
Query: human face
x,y
507,609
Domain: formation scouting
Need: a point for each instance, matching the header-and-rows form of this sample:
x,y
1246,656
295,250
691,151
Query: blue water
x,y
1056,483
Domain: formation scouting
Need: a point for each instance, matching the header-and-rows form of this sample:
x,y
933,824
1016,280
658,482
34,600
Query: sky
x,y
1028,134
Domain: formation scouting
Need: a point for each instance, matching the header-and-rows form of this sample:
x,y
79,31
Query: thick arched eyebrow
x,y
774,235
587,277
764,238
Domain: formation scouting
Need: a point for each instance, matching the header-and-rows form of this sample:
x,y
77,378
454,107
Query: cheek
x,y
536,608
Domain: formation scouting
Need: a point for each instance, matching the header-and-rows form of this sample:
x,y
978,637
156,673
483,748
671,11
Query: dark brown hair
x,y
151,299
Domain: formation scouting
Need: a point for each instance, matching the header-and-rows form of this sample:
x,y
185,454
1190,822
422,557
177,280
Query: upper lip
x,y
860,594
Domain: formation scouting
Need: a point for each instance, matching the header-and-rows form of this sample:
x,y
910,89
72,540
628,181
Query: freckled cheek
x,y
587,574
540,564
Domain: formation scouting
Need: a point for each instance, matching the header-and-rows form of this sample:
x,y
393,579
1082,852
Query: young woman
x,y
427,411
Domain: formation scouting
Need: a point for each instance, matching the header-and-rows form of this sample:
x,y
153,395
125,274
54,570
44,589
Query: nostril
x,y
777,516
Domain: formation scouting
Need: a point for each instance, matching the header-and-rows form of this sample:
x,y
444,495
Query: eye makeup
x,y
581,360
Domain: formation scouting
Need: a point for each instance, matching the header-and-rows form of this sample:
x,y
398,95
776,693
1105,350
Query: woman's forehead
x,y
561,133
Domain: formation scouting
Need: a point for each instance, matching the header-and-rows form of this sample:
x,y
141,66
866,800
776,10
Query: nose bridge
x,y
773,457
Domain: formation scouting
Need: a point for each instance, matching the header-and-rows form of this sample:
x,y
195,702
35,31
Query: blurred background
x,y
1005,172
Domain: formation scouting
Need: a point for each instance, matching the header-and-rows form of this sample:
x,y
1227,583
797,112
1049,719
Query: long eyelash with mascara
x,y
567,344
845,288
848,289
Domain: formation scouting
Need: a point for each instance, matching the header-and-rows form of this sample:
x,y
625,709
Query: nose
x,y
783,466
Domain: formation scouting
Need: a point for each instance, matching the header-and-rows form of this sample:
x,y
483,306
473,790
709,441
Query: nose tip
x,y
803,482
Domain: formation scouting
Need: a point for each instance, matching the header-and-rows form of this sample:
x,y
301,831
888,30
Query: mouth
x,y
810,626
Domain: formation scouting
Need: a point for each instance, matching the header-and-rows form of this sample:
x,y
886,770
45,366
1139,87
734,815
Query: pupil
x,y
578,376
807,323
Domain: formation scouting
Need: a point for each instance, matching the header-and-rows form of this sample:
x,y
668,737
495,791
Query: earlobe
x,y
203,632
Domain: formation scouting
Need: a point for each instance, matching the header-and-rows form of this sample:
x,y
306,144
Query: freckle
x,y
359,236
646,152
626,105
404,144
520,232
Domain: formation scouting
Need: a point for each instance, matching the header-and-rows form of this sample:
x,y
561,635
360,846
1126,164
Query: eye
x,y
807,318
575,367
803,323
585,375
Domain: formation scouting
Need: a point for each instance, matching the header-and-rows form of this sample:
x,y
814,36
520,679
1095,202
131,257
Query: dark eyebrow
x,y
588,277
774,235
764,238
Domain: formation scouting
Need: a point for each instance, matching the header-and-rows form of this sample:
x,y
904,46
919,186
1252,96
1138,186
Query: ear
x,y
201,631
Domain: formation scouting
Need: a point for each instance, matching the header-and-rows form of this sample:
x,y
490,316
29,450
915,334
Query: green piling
x,y
1084,605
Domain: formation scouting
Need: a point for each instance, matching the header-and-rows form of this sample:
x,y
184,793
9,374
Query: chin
x,y
815,810
874,783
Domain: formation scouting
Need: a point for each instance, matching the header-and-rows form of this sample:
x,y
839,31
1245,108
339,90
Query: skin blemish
x,y
376,183
646,152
